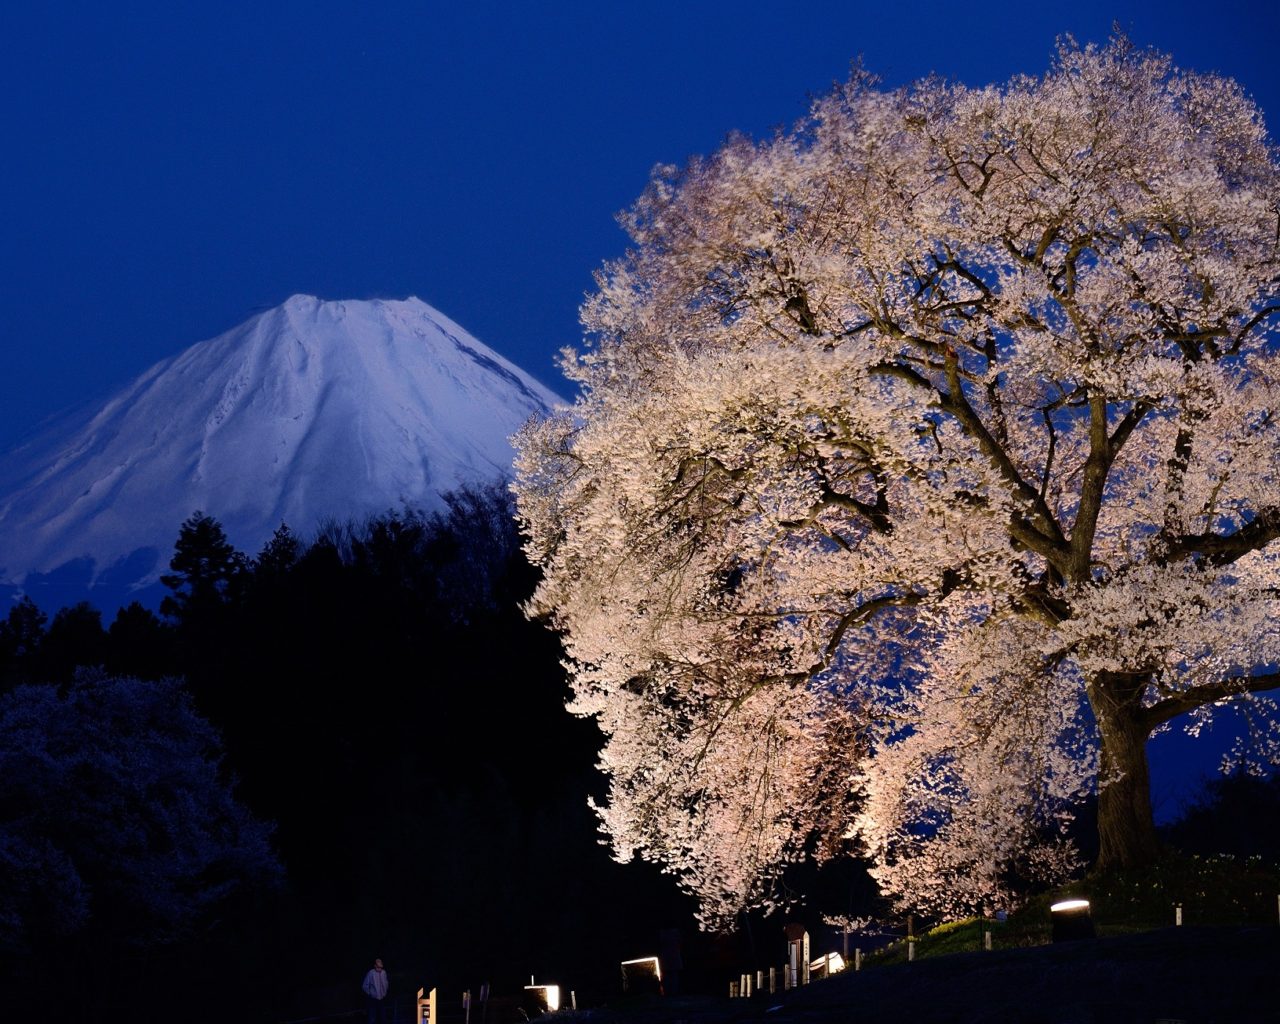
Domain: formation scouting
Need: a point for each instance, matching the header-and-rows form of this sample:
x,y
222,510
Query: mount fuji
x,y
312,411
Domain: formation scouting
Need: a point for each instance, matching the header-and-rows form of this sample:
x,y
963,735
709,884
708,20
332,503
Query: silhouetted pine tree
x,y
206,571
139,644
207,580
21,633
75,638
1237,814
279,554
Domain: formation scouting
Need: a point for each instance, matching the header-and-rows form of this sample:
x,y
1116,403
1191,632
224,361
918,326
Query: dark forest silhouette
x,y
381,700
385,703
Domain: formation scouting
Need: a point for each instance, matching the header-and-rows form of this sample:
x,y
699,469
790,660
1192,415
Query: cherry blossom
x,y
925,462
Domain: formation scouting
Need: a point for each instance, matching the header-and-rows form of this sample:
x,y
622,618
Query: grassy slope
x,y
1213,891
1222,965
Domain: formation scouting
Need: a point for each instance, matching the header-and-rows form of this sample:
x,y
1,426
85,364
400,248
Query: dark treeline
x,y
383,701
380,705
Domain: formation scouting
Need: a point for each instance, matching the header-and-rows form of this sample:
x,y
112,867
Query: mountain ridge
x,y
309,411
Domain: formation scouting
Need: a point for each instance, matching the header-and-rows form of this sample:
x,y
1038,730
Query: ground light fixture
x,y
643,974
826,965
1071,920
547,997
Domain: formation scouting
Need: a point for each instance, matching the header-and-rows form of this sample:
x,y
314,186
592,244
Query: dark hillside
x,y
1189,975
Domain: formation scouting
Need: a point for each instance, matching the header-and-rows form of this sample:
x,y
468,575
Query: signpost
x,y
427,1007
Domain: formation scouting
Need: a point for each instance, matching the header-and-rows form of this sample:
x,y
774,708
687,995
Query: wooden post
x,y
857,959
1177,914
773,980
986,939
426,1011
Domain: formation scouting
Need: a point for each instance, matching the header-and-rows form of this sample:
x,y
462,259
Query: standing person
x,y
375,992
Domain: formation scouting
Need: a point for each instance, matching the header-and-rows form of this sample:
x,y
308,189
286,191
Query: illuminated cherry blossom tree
x,y
925,463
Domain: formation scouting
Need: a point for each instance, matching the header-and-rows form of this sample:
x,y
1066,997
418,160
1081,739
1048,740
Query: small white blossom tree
x,y
118,821
925,462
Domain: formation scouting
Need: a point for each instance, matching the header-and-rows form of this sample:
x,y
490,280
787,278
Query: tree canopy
x,y
204,569
925,462
117,819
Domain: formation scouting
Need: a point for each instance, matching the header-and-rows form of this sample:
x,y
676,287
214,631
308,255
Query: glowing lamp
x,y
1071,920
546,997
643,974
826,965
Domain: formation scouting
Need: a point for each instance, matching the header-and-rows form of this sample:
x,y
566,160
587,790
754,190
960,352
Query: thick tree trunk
x,y
1126,827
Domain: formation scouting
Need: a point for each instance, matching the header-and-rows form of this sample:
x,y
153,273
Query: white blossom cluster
x,y
925,461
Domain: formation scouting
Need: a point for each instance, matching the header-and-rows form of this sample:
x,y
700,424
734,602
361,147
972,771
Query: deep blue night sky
x,y
169,169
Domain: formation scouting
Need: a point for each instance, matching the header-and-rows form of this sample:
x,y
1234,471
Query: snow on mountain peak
x,y
310,411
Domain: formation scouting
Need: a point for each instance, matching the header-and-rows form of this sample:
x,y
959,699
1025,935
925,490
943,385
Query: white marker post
x,y
427,1007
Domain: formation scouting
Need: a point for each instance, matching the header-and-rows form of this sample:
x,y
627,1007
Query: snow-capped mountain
x,y
310,411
